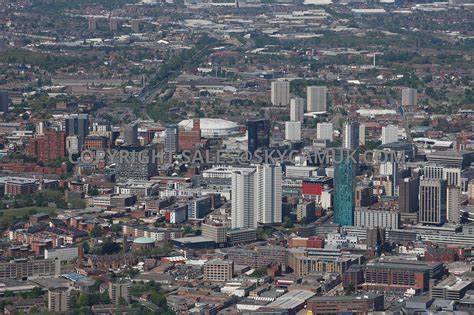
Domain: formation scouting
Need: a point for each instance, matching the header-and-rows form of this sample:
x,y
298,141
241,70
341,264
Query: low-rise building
x,y
218,270
360,304
59,300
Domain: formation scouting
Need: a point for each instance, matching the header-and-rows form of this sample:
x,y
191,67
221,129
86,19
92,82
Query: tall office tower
x,y
409,97
4,101
351,135
297,109
362,135
135,162
408,189
316,98
92,23
135,26
453,176
113,24
268,187
243,212
119,291
433,172
77,125
49,146
389,134
59,300
280,93
325,131
172,139
130,134
344,188
453,204
293,130
432,201
258,133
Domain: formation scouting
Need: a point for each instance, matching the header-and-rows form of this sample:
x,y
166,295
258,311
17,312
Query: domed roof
x,y
209,123
143,240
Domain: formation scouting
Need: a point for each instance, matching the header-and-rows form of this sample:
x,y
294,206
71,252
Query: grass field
x,y
19,212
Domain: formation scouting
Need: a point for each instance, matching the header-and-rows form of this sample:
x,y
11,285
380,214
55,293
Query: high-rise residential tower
x,y
280,93
344,188
409,97
243,211
297,109
351,135
389,134
293,130
316,99
269,193
325,131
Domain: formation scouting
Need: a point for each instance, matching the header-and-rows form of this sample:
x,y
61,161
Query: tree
x,y
259,272
122,302
86,247
116,228
96,231
6,221
93,191
109,247
81,301
350,289
287,223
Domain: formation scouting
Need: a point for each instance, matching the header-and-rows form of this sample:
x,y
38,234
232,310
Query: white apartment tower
x,y
256,196
409,97
297,109
316,98
280,93
325,131
243,212
269,192
389,134
293,130
362,135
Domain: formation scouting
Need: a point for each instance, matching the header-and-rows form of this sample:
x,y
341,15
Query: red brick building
x,y
445,255
346,304
96,142
188,139
49,146
353,276
20,186
401,275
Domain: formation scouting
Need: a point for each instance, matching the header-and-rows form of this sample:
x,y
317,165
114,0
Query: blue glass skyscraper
x,y
344,186
258,131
